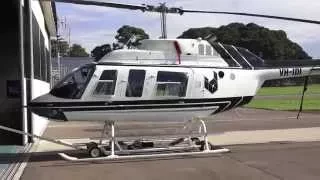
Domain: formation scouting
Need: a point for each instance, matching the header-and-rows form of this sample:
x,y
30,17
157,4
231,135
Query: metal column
x,y
22,74
29,39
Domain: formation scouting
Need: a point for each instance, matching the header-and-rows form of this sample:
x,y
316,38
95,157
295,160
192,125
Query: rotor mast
x,y
163,18
164,10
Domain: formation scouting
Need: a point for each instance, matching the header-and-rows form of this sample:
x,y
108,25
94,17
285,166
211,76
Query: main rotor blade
x,y
105,4
249,14
150,8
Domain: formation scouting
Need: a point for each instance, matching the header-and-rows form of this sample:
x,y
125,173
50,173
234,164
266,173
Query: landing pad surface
x,y
264,145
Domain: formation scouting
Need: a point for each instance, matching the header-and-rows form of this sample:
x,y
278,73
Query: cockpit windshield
x,y
253,59
74,84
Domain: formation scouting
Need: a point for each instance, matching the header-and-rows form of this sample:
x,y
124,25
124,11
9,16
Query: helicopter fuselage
x,y
164,80
128,92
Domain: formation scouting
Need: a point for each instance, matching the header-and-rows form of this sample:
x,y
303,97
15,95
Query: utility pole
x,y
67,28
69,37
58,48
58,55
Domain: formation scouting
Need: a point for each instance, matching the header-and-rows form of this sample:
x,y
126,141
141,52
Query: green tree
x,y
77,51
270,44
99,51
126,32
63,47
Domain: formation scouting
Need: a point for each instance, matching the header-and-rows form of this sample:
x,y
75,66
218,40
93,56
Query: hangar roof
x,y
50,16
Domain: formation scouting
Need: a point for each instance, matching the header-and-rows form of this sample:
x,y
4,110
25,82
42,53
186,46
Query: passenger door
x,y
198,90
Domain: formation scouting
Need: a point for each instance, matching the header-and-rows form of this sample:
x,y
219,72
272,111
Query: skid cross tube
x,y
205,134
119,153
112,140
169,150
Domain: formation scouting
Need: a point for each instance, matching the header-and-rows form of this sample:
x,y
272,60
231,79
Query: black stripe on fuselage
x,y
235,102
130,102
222,103
128,107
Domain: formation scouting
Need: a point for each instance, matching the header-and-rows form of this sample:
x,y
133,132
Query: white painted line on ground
x,y
20,165
266,136
253,119
224,138
19,172
67,125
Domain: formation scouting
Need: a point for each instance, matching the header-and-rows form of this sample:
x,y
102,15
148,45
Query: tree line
x,y
270,45
126,36
65,50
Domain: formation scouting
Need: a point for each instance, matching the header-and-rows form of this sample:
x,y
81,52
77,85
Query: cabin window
x,y
107,83
135,83
74,84
201,49
171,84
208,50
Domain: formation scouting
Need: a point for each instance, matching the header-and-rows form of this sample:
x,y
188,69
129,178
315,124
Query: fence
x,y
67,64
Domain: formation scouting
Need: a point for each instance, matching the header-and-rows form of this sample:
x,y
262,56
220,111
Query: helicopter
x,y
162,80
165,79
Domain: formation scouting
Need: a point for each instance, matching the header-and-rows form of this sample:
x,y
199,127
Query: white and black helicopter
x,y
163,79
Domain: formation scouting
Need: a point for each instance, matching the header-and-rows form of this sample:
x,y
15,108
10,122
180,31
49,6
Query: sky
x,y
91,26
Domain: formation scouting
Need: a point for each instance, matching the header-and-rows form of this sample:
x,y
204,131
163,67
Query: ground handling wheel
x,y
203,145
211,146
94,150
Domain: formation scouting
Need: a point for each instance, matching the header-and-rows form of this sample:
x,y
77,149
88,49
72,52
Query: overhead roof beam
x,y
49,13
104,3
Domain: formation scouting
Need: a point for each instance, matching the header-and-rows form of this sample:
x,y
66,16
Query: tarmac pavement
x,y
264,145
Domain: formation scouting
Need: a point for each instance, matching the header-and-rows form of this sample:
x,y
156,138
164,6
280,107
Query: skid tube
x,y
116,152
122,154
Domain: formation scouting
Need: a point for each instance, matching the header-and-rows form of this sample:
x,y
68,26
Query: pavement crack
x,y
254,167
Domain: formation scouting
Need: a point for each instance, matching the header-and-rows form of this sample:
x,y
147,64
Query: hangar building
x,y
26,31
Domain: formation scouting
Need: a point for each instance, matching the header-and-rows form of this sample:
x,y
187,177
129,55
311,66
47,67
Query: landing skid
x,y
114,149
145,156
120,150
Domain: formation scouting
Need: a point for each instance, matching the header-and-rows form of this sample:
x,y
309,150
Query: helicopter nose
x,y
45,106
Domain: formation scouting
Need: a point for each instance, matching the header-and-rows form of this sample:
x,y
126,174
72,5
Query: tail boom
x,y
287,72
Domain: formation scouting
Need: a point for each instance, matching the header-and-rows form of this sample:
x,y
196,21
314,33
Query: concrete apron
x,y
222,139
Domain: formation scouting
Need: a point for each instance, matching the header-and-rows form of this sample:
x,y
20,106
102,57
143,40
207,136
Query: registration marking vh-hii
x,y
289,72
